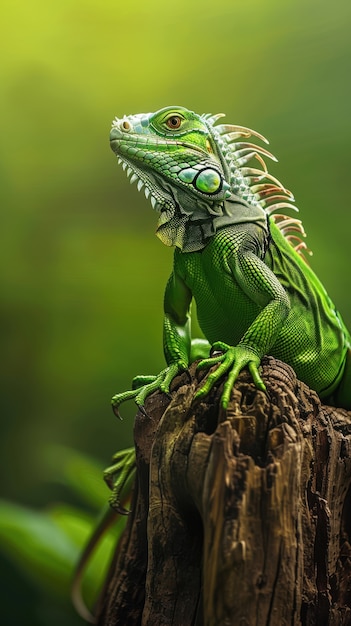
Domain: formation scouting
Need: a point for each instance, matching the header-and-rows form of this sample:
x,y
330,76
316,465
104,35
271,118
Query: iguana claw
x,y
161,382
122,397
142,410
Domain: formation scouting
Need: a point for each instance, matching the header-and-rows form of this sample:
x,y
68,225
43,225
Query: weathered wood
x,y
239,518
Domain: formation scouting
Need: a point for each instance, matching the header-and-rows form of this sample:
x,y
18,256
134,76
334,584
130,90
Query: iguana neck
x,y
190,225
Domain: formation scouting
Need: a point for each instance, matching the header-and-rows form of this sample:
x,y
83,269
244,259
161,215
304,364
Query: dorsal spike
x,y
242,146
213,118
292,238
279,216
229,137
281,205
261,161
302,246
283,221
265,188
228,129
274,199
253,173
291,225
241,158
247,132
287,232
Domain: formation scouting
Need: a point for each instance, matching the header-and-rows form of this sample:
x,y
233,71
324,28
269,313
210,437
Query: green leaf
x,y
46,546
80,472
38,547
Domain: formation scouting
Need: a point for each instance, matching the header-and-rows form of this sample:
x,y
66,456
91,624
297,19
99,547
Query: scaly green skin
x,y
254,293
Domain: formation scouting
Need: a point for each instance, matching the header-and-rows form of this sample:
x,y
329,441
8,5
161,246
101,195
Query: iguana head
x,y
172,148
192,174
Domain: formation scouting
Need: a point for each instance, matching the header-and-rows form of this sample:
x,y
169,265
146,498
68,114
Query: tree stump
x,y
239,517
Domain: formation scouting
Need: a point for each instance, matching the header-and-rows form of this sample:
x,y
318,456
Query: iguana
x,y
234,254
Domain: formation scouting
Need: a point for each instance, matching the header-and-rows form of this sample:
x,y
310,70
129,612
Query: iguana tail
x,y
108,518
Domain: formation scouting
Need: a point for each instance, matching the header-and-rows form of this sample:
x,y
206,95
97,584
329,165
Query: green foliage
x,y
44,546
79,472
43,549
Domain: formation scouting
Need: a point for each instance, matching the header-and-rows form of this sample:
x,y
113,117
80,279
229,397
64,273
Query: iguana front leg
x,y
258,283
176,344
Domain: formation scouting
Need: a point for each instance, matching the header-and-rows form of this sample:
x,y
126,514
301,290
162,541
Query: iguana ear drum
x,y
207,180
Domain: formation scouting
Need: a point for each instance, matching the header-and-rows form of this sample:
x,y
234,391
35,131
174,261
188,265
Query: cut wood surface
x,y
239,517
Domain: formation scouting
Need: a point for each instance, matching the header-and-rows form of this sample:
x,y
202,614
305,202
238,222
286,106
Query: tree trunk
x,y
239,517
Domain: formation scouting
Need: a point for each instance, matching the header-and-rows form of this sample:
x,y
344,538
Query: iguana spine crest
x,y
247,182
255,186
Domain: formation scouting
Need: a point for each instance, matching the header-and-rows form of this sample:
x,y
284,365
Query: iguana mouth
x,y
157,143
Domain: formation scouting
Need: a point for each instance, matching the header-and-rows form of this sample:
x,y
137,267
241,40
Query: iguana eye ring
x,y
174,122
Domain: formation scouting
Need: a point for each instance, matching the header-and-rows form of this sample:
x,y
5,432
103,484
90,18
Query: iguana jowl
x,y
235,253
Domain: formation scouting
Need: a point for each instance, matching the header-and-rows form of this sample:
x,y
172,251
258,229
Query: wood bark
x,y
239,517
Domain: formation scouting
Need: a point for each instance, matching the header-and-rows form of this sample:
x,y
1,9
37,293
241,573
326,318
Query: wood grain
x,y
239,518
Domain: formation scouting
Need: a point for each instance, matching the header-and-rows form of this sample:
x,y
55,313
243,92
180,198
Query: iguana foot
x,y
232,360
141,391
118,475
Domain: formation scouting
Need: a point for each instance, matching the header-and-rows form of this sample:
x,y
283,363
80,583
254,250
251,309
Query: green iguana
x,y
239,259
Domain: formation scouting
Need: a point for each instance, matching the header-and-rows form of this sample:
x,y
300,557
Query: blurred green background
x,y
82,273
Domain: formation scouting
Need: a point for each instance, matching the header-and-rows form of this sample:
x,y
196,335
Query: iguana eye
x,y
174,122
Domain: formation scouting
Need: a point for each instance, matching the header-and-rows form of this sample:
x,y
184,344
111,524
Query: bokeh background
x,y
82,273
